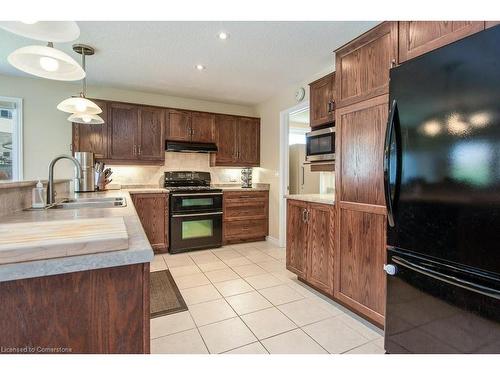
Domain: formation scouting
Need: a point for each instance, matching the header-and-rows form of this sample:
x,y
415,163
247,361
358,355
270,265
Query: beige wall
x,y
47,133
269,113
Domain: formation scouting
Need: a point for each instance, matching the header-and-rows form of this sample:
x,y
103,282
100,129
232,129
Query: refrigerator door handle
x,y
489,292
387,163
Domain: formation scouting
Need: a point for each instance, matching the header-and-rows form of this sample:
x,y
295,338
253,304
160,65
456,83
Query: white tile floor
x,y
242,300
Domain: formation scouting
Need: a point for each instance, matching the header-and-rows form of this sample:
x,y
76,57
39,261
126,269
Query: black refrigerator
x,y
442,186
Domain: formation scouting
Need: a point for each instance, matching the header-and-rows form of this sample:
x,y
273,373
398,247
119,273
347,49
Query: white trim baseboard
x,y
273,241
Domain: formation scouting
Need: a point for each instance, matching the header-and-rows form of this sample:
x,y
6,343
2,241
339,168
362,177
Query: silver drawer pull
x,y
200,214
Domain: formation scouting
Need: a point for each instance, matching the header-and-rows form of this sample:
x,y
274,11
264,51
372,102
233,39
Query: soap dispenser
x,y
38,196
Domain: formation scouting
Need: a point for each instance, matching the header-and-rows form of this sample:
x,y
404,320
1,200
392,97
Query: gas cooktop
x,y
189,182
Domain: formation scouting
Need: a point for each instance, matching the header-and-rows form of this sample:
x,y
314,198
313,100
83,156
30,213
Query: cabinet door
x,y
362,66
360,150
249,142
151,145
93,138
152,210
419,37
122,131
202,127
226,138
321,219
296,237
321,97
179,126
359,260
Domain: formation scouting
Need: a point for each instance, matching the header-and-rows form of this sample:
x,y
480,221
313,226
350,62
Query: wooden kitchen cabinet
x,y
246,216
178,128
362,65
310,243
202,127
322,104
152,209
419,37
122,131
98,311
238,141
92,138
151,133
296,237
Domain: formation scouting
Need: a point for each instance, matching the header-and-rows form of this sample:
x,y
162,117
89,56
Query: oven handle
x,y
191,194
200,214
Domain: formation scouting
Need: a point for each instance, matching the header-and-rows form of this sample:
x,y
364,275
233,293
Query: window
x,y
11,139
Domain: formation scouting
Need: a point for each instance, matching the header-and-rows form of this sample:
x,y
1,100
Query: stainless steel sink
x,y
104,202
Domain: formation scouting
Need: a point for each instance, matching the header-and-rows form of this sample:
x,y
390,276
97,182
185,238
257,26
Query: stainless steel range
x,y
195,211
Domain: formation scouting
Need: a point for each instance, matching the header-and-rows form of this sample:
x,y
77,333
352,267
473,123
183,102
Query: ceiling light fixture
x,y
46,62
200,67
55,31
223,35
83,110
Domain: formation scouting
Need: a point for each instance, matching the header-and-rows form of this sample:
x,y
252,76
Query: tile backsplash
x,y
174,161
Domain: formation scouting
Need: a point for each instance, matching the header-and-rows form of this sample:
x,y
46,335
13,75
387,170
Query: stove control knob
x,y
390,269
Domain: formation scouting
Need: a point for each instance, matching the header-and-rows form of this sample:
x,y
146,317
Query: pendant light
x,y
83,110
46,62
55,31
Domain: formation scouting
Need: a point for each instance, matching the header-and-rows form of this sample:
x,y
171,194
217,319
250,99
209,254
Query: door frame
x,y
283,172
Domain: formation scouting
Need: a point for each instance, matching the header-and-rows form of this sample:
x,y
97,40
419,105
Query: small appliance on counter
x,y
87,182
246,178
195,211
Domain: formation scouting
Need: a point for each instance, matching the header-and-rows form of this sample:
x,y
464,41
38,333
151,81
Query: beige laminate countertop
x,y
314,198
139,250
144,188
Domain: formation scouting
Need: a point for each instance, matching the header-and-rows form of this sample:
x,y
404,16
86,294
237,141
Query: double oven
x,y
195,216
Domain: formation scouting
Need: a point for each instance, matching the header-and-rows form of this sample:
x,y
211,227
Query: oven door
x,y
195,202
320,145
195,231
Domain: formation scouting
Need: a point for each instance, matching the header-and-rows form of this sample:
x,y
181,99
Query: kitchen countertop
x,y
144,188
139,250
314,198
237,187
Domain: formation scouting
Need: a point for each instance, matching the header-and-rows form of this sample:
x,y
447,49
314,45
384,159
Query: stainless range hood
x,y
175,146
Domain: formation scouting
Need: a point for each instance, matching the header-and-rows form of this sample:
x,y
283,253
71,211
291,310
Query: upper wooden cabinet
x,y
202,127
151,133
419,37
360,150
238,141
362,66
123,131
187,126
310,243
322,104
178,128
92,138
135,133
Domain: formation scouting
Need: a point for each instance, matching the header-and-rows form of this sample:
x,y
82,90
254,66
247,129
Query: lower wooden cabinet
x,y
359,259
152,209
310,243
246,216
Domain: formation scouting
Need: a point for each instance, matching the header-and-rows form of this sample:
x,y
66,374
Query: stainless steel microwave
x,y
320,145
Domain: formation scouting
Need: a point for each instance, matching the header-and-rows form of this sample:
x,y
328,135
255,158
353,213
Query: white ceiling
x,y
256,62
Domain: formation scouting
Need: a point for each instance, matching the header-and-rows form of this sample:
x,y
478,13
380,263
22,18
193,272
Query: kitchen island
x,y
93,303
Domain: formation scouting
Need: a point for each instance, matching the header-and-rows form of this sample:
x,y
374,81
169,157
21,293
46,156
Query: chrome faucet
x,y
51,195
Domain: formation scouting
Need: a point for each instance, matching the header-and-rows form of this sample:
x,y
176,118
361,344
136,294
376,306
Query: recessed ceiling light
x,y
200,67
223,35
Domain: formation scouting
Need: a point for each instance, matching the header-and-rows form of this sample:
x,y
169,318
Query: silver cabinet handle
x,y
200,214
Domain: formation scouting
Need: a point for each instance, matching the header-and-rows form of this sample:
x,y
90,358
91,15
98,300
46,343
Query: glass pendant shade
x,y
54,31
79,105
86,118
46,62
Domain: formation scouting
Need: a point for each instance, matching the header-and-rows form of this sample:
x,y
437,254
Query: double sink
x,y
101,202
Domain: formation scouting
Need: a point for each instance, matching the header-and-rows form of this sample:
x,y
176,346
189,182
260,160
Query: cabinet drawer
x,y
230,196
243,229
237,210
